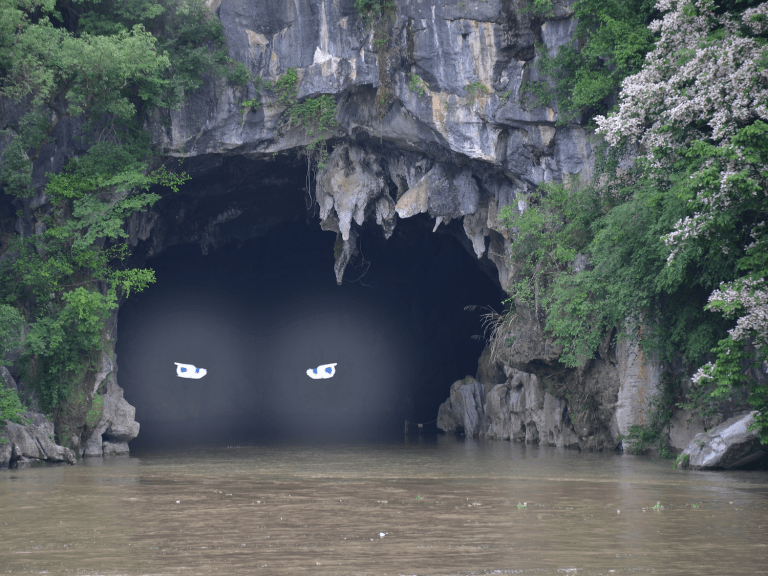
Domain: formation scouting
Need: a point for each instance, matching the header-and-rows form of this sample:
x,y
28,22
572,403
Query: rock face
x,y
32,444
116,427
638,383
464,408
433,121
109,427
606,394
729,445
519,410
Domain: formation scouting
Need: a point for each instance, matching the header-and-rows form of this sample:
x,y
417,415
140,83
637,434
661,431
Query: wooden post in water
x,y
405,429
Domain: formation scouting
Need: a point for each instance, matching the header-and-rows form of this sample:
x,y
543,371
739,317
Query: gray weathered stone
x,y
521,410
347,185
685,425
115,448
463,409
117,425
639,380
729,445
6,452
30,443
5,375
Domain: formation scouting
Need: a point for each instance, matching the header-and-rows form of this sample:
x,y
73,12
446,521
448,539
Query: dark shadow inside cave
x,y
258,313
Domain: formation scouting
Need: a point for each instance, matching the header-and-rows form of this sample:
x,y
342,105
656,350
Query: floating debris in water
x,y
189,371
322,371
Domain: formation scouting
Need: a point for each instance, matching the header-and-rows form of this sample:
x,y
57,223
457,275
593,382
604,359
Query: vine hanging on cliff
x,y
379,16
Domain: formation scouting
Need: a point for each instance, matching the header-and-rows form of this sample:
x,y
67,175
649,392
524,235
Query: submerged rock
x,y
730,445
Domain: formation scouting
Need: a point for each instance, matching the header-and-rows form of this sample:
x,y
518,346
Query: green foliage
x,y
315,115
609,44
541,7
379,17
260,86
474,89
108,63
252,103
248,105
725,377
93,416
416,84
186,31
67,280
371,10
11,330
287,88
624,226
618,225
10,405
682,461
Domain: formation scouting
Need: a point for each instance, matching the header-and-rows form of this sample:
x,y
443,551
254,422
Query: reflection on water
x,y
440,505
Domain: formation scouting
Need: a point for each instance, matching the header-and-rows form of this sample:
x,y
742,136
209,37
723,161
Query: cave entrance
x,y
257,313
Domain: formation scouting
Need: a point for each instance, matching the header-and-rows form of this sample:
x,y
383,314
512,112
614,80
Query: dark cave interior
x,y
257,313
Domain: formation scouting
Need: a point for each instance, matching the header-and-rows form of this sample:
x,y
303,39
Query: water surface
x,y
439,505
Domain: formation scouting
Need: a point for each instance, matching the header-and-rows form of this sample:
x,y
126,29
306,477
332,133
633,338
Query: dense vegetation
x,y
674,225
609,43
102,66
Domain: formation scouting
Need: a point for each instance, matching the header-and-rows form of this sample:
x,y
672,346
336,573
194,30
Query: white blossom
x,y
751,298
688,78
756,18
704,81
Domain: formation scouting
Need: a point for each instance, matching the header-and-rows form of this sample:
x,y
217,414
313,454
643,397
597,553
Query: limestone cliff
x,y
431,119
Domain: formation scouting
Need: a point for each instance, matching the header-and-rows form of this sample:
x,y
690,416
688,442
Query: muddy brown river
x,y
439,505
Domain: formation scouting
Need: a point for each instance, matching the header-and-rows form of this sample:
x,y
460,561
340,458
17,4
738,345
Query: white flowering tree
x,y
698,110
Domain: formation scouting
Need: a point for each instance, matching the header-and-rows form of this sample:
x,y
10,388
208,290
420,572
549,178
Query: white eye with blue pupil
x,y
189,371
323,371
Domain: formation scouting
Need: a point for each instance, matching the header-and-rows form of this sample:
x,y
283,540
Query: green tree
x,y
105,65
610,43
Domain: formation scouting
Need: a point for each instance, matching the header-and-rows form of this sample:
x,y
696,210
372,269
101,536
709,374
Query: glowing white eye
x,y
322,371
189,371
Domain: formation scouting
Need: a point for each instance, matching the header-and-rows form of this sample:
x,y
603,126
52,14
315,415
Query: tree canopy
x,y
104,66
